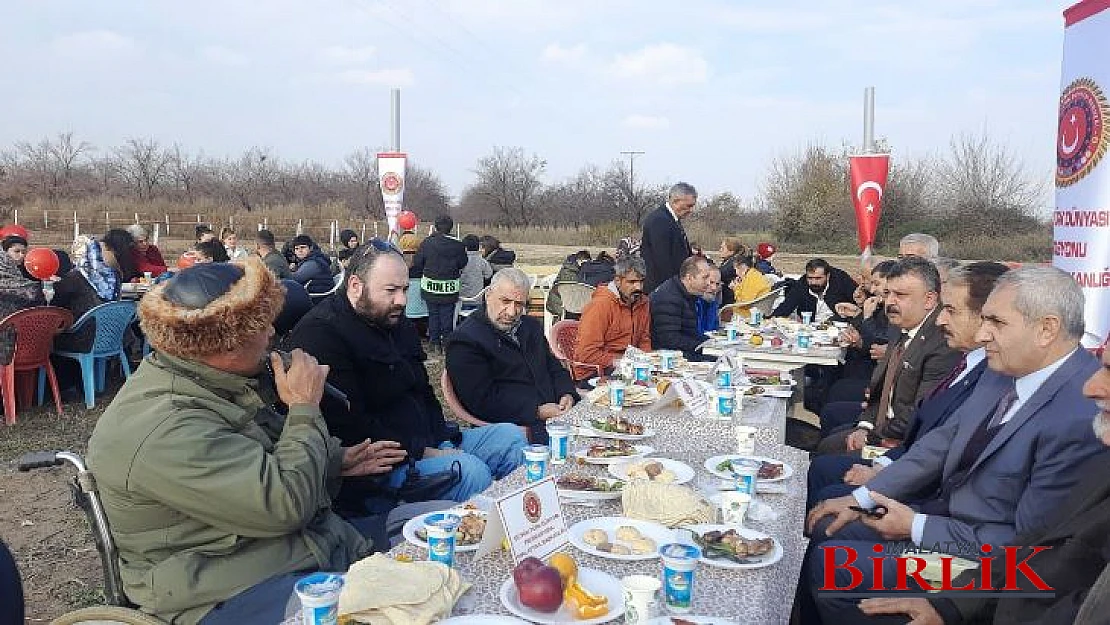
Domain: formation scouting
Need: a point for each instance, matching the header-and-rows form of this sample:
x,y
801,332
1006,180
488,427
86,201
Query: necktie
x,y
1004,406
893,368
947,382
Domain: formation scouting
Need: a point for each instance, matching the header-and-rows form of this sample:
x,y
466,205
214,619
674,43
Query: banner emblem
x,y
1083,132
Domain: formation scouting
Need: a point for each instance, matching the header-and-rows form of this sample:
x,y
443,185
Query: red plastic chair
x,y
35,329
563,339
456,406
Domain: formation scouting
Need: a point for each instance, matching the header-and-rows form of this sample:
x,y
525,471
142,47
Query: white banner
x,y
1081,221
391,179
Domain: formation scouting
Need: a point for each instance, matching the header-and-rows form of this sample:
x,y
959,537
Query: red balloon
x,y
186,260
41,262
14,229
406,220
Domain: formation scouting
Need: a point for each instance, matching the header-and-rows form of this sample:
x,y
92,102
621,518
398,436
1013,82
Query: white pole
x,y
300,227
16,215
107,220
136,219
167,223
375,229
260,227
331,235
46,220
76,227
157,229
362,239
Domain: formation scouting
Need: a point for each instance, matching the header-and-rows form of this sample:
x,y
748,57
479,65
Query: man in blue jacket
x,y
959,319
674,313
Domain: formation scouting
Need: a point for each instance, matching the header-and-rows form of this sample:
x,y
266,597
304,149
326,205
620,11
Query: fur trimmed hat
x,y
211,308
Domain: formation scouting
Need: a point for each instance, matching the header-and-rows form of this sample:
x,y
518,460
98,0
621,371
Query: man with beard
x,y
818,293
375,358
617,316
500,364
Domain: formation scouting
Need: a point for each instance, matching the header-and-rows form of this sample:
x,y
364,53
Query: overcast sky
x,y
711,90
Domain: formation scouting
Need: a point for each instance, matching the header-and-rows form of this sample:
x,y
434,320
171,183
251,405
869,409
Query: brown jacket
x,y
608,326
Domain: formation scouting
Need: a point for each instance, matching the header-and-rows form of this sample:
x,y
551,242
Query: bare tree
x,y
509,185
986,187
186,172
362,178
251,177
807,192
143,164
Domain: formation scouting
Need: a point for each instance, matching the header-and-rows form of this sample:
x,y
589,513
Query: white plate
x,y
587,430
641,451
768,391
762,561
589,495
416,522
647,398
682,471
593,580
711,466
484,619
659,533
700,620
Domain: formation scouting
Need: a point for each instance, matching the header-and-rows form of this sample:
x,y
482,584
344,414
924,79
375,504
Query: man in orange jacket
x,y
616,317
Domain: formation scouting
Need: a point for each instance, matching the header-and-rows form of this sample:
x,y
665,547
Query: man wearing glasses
x,y
375,356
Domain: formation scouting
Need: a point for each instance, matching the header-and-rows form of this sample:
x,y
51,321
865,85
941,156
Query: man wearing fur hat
x,y
216,503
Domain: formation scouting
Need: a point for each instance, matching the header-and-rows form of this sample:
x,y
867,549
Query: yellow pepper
x,y
584,598
584,612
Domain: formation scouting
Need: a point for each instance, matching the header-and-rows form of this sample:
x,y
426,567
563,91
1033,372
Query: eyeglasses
x,y
384,246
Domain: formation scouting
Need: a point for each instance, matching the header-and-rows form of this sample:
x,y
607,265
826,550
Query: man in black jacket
x,y
823,287
439,262
674,317
375,358
500,364
664,245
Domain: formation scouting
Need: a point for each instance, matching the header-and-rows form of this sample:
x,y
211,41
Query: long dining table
x,y
763,595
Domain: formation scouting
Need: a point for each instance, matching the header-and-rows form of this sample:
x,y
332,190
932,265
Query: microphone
x,y
287,361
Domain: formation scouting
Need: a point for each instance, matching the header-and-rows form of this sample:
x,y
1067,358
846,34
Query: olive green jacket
x,y
203,501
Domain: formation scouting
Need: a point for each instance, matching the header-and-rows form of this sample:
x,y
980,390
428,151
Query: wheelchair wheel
x,y
106,615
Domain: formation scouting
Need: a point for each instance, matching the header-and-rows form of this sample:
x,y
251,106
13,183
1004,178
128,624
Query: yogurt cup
x,y
668,360
726,401
746,472
724,375
679,563
440,528
756,317
559,434
732,332
535,462
616,394
641,371
745,439
807,318
319,595
734,507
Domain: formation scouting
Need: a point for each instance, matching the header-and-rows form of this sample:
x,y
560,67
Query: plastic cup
x,y
724,376
319,595
667,360
559,434
734,507
803,342
746,471
641,371
639,598
756,317
441,528
807,318
732,332
535,462
616,394
679,564
745,439
726,401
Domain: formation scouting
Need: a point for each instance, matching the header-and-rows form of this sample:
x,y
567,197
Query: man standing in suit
x,y
664,245
1006,460
917,360
1076,566
963,296
822,289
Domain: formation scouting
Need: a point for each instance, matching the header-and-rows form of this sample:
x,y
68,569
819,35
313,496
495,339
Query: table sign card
x,y
531,518
694,394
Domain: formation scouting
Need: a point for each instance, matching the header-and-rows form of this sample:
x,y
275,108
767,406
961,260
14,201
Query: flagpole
x,y
868,148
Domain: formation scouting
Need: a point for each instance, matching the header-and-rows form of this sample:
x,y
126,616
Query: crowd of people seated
x,y
962,414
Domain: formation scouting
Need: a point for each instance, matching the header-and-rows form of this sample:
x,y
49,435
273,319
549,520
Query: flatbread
x,y
382,591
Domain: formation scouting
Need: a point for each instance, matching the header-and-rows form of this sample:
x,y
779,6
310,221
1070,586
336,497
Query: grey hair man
x,y
499,363
617,316
918,244
663,244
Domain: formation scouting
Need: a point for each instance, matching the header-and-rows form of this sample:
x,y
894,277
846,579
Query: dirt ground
x,y
60,566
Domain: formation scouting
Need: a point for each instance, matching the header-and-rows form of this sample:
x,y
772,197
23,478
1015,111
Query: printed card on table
x,y
531,518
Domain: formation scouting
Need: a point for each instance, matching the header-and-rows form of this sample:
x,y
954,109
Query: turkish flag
x,y
868,173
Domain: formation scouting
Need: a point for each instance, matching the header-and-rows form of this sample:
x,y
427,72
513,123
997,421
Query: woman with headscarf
x,y
89,284
17,292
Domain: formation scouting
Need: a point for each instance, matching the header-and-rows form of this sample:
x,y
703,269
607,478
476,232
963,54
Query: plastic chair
x,y
764,303
35,329
338,279
112,320
466,305
563,339
575,296
461,413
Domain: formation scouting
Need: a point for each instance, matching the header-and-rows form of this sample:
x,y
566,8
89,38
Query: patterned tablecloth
x,y
748,596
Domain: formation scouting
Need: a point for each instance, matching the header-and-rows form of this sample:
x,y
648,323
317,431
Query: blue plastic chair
x,y
112,321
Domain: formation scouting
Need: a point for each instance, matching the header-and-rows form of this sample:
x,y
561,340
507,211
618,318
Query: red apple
x,y
539,587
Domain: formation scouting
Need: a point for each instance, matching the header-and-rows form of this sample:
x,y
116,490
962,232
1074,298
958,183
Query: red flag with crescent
x,y
868,173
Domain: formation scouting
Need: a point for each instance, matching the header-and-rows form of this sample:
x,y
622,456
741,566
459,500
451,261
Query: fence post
x,y
107,220
362,239
167,223
136,219
16,216
45,220
156,229
76,227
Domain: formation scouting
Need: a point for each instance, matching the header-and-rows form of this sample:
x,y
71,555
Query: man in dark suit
x,y
1006,460
916,361
1075,566
822,289
664,245
674,317
959,319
